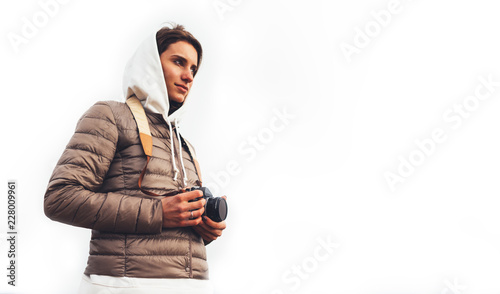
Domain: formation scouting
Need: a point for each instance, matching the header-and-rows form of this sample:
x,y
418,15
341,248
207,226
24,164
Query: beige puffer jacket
x,y
95,182
94,185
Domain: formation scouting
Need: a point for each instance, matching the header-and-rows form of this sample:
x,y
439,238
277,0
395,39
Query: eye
x,y
178,62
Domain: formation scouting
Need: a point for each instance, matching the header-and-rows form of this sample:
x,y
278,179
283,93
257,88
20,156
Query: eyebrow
x,y
195,67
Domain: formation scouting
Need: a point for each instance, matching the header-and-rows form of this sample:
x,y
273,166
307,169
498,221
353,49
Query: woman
x,y
140,237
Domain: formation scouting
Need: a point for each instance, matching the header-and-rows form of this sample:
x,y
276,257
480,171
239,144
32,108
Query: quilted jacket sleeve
x,y
72,196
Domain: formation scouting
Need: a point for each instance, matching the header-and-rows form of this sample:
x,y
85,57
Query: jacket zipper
x,y
189,267
190,260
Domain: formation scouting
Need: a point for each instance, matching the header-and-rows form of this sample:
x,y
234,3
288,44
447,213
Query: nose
x,y
187,76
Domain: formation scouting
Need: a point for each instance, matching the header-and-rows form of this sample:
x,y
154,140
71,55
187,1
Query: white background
x,y
320,176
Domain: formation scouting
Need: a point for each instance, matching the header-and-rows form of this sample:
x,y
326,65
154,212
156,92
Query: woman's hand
x,y
210,230
179,212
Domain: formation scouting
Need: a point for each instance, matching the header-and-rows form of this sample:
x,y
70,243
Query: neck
x,y
174,105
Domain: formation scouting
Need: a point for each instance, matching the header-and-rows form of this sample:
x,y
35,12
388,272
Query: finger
x,y
225,197
193,214
203,234
195,204
207,235
216,225
209,230
190,222
186,196
182,223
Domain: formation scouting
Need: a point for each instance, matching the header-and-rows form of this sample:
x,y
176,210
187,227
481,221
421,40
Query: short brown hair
x,y
166,36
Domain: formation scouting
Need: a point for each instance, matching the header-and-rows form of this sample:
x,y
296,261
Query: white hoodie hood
x,y
144,78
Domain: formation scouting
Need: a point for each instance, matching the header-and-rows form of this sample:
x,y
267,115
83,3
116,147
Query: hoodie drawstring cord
x,y
180,153
176,170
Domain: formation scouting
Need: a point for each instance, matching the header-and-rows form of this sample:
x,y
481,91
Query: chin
x,y
177,99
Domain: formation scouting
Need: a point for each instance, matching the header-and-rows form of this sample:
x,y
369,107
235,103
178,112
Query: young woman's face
x,y
179,63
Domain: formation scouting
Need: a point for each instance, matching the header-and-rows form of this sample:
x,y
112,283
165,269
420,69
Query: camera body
x,y
215,207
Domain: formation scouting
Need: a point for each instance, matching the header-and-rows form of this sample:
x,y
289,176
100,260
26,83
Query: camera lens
x,y
216,209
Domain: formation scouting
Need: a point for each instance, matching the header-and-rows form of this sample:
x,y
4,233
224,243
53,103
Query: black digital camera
x,y
215,207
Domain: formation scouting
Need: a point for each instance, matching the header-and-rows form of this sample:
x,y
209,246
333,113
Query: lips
x,y
181,87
